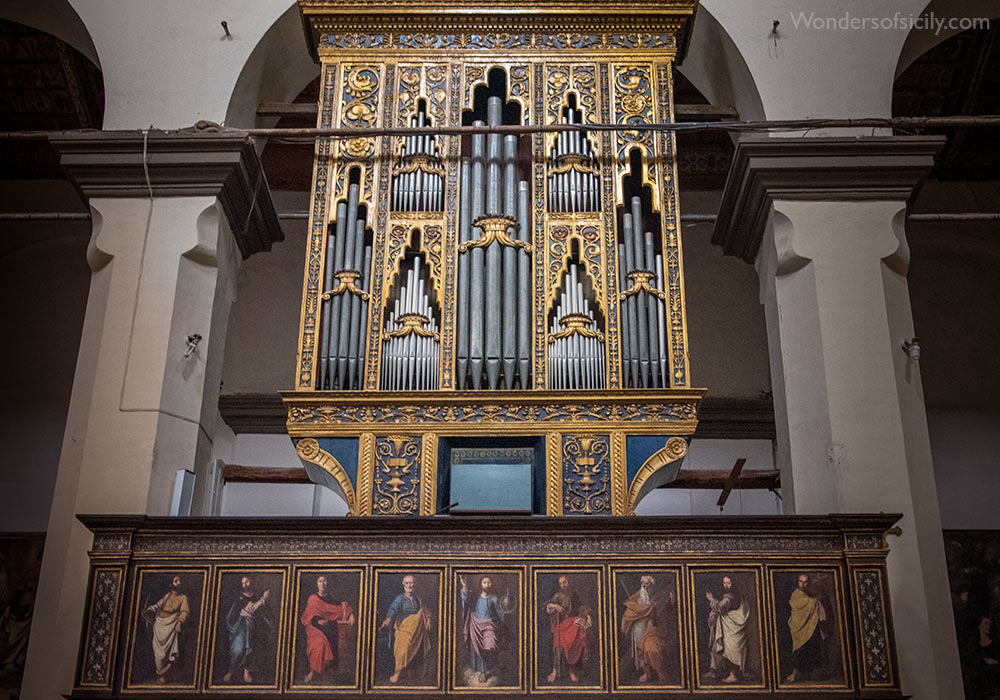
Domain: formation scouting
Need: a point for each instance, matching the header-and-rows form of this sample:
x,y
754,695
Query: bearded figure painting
x,y
167,627
487,629
648,640
568,630
728,628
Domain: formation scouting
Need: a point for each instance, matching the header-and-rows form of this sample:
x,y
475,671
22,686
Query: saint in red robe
x,y
324,643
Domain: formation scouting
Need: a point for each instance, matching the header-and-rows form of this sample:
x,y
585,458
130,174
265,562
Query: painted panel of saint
x,y
568,647
728,636
647,628
406,641
326,628
245,639
166,627
808,632
487,629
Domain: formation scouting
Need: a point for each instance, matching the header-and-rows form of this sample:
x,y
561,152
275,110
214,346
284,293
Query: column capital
x,y
110,164
814,169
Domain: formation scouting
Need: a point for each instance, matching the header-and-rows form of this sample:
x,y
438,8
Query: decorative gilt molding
x,y
411,323
674,450
553,474
640,283
428,474
309,450
366,468
494,228
347,281
619,474
347,413
576,324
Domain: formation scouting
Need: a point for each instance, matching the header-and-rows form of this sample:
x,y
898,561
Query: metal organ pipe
x,y
494,302
464,234
476,260
344,321
418,184
643,316
574,187
412,350
576,345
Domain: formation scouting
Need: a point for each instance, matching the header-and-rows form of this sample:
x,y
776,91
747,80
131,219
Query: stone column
x,y
172,215
823,221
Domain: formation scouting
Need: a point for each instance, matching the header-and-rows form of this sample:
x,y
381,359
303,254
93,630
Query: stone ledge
x,y
814,169
180,164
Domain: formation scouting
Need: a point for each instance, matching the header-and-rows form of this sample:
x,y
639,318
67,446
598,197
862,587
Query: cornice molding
x,y
110,164
718,417
814,169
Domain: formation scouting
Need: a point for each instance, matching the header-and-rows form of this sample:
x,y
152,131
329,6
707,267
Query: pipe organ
x,y
473,277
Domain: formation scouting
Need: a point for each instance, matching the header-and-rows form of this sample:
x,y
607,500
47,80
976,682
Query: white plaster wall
x,y
717,454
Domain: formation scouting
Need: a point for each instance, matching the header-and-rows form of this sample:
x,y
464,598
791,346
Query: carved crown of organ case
x,y
503,287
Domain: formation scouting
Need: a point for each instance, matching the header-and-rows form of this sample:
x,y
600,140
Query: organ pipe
x,y
412,346
418,179
344,316
573,171
576,345
643,316
494,302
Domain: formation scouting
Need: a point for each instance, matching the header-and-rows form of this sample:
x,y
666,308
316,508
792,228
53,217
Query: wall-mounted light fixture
x,y
912,349
192,343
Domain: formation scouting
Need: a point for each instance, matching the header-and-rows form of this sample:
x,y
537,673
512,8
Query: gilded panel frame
x,y
780,684
279,630
360,616
600,613
684,652
374,616
696,637
522,635
136,616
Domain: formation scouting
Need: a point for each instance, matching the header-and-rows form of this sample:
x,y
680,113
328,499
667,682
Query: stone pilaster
x,y
823,220
172,215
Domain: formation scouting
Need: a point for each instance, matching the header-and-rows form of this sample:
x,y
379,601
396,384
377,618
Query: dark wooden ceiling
x,y
960,76
44,84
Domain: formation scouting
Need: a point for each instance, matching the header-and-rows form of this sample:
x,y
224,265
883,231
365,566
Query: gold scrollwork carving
x,y
640,283
360,147
309,450
675,449
573,161
619,474
419,162
412,323
494,229
576,323
586,474
397,475
347,281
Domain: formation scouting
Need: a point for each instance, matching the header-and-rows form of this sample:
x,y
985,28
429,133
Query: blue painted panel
x,y
345,451
639,448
